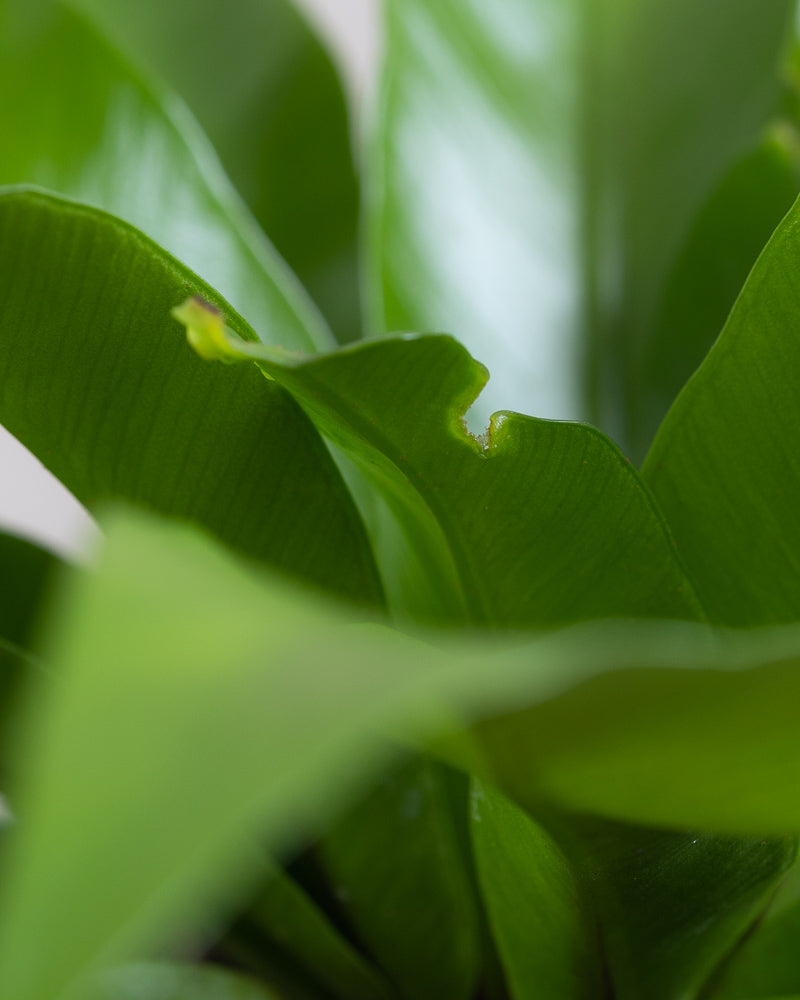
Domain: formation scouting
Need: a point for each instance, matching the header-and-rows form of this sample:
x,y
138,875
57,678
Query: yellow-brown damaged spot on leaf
x,y
205,330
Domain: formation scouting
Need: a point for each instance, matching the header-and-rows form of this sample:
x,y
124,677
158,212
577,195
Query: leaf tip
x,y
205,330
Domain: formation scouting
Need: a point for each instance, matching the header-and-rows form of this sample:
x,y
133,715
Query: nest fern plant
x,y
381,688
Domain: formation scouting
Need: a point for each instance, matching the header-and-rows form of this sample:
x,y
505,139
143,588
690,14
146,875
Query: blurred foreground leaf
x,y
268,705
172,653
174,981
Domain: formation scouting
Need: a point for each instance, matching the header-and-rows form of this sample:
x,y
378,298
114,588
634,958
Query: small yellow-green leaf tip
x,y
205,329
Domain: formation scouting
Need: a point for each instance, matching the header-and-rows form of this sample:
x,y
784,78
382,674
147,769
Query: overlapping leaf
x,y
766,965
536,909
285,927
397,866
726,239
96,380
724,465
539,522
263,701
672,905
84,124
187,679
267,96
175,981
538,169
26,571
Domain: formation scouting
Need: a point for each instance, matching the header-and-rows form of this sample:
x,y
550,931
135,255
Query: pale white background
x,y
32,502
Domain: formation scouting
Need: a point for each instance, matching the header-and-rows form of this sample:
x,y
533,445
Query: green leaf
x,y
26,571
268,705
537,171
672,138
174,652
709,747
669,905
27,574
174,981
83,123
103,390
267,96
539,920
398,869
724,467
726,239
766,964
286,918
672,905
537,522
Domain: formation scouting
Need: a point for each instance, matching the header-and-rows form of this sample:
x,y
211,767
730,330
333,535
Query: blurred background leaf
x,y
728,234
267,96
83,123
537,172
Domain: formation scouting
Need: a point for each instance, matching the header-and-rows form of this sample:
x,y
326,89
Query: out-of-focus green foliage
x,y
351,729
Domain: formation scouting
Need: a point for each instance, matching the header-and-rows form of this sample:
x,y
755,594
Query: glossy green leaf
x,y
98,383
669,906
672,905
398,869
726,239
673,137
767,963
473,204
538,167
541,925
83,123
536,522
285,918
174,981
724,466
267,96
